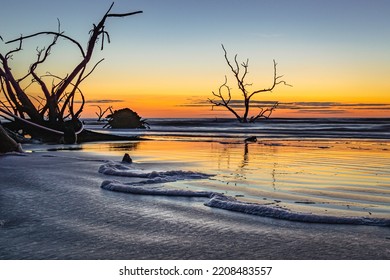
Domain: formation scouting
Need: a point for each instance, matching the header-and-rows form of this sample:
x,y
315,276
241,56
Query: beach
x,y
53,204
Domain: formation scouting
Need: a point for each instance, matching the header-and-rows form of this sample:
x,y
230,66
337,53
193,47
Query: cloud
x,y
321,111
335,106
234,103
101,101
327,107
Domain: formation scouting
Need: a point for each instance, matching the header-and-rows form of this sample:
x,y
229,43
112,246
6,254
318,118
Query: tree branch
x,y
58,34
93,69
125,15
262,113
9,54
96,31
224,103
276,82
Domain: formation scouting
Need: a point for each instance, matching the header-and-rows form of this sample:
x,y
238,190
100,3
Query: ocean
x,y
230,129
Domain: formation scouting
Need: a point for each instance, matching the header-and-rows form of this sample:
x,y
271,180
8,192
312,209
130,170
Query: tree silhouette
x,y
101,112
56,103
224,95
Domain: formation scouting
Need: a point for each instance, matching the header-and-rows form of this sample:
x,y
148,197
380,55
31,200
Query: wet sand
x,y
52,207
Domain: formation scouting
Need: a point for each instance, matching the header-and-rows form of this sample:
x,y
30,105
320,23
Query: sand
x,y
52,207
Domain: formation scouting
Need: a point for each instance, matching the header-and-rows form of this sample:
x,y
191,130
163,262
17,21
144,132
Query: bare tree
x,y
56,103
224,94
101,112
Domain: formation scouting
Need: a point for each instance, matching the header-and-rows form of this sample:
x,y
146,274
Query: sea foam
x,y
153,177
229,203
150,190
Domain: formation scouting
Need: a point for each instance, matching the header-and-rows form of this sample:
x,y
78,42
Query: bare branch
x,y
5,106
9,54
93,69
40,102
49,33
264,113
225,102
276,82
101,113
41,59
236,72
77,115
227,59
96,32
125,15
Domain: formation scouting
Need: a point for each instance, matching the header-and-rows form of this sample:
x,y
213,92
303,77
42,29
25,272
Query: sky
x,y
167,61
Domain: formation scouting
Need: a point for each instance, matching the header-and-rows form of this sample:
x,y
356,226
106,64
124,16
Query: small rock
x,y
251,139
126,158
305,202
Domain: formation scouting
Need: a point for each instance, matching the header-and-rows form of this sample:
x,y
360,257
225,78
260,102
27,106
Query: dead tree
x,y
224,94
7,144
101,112
56,104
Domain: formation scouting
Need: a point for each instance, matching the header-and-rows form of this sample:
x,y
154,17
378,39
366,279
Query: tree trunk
x,y
7,144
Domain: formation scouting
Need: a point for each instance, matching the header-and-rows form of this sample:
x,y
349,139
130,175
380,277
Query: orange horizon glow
x,y
172,108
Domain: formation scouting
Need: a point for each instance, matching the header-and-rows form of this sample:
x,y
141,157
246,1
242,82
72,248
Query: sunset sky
x,y
167,61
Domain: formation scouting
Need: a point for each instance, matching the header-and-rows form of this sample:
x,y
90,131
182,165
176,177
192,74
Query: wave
x,y
134,188
355,128
218,200
229,203
153,177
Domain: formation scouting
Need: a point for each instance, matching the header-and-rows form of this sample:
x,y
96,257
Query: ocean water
x,y
206,129
310,170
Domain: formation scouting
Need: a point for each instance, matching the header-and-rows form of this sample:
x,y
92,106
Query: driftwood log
x,y
85,135
7,144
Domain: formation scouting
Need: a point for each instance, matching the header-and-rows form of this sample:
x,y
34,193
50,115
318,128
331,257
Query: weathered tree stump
x,y
7,144
125,118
